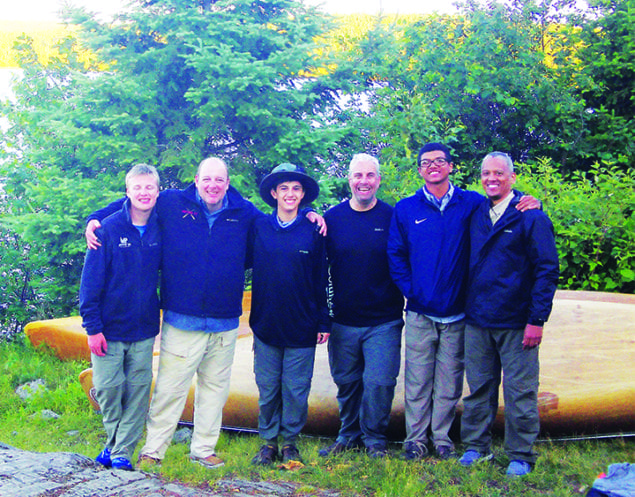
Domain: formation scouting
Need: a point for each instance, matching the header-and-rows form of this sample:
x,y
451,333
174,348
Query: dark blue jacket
x,y
288,299
203,269
428,251
118,291
513,268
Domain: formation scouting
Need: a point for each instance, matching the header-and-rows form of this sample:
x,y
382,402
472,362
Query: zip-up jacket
x,y
513,268
118,290
428,251
289,286
203,269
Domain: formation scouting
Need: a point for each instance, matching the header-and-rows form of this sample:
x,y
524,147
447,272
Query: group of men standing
x,y
478,275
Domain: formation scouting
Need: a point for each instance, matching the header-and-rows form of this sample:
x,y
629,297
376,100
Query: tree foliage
x,y
496,77
609,77
169,82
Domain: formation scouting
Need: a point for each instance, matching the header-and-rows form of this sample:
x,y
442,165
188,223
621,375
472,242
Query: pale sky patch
x,y
46,10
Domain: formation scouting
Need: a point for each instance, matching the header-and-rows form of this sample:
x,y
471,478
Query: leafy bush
x,y
593,216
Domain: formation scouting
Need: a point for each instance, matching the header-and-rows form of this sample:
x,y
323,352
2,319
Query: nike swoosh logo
x,y
419,221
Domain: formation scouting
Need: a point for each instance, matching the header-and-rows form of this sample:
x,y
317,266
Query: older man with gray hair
x,y
513,273
367,309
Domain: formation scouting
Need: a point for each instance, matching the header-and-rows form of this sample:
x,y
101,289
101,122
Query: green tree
x,y
495,77
169,83
593,214
608,81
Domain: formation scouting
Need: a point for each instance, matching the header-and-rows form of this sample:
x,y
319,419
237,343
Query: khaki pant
x,y
183,354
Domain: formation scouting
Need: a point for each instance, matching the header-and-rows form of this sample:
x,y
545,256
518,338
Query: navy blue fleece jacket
x,y
289,287
118,290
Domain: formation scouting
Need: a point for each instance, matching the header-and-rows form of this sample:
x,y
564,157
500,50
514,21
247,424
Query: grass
x,y
564,468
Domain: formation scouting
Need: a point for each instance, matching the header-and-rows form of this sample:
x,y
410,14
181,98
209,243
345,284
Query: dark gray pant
x,y
283,376
365,364
487,351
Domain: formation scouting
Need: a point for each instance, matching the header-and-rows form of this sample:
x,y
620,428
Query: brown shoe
x,y
146,462
211,462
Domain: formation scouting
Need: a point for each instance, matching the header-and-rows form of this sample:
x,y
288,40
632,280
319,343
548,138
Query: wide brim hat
x,y
288,172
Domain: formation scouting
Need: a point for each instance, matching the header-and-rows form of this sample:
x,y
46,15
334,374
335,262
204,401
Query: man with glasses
x,y
428,250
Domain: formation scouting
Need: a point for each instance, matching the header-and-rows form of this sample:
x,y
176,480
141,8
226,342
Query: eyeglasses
x,y
439,161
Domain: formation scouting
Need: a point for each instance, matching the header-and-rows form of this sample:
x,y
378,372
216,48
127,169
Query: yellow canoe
x,y
587,380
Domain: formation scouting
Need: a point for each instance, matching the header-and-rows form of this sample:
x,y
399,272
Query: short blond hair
x,y
141,169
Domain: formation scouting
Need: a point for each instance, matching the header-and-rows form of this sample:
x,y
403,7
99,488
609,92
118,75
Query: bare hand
x,y
314,217
532,337
97,344
92,242
323,337
527,202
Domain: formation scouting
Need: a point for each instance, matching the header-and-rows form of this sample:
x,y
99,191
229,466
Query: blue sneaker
x,y
122,463
473,456
104,458
518,468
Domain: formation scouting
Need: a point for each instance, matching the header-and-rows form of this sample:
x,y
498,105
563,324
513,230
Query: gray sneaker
x,y
414,451
290,453
339,447
445,452
377,451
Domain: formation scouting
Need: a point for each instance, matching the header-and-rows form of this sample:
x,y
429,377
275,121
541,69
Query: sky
x,y
45,10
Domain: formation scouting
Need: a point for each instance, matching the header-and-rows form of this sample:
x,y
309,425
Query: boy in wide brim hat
x,y
289,313
288,172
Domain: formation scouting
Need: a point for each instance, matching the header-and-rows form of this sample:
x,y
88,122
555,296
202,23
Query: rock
x,y
64,474
45,414
182,436
30,389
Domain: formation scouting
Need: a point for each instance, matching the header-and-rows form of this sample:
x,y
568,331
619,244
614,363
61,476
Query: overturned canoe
x,y
587,380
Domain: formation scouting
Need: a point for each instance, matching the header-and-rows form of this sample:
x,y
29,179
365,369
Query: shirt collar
x,y
442,202
496,211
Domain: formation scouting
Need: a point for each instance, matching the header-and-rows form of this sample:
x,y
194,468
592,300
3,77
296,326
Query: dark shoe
x,y
338,448
104,458
518,468
377,451
266,455
445,452
211,461
122,463
414,451
473,457
290,453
